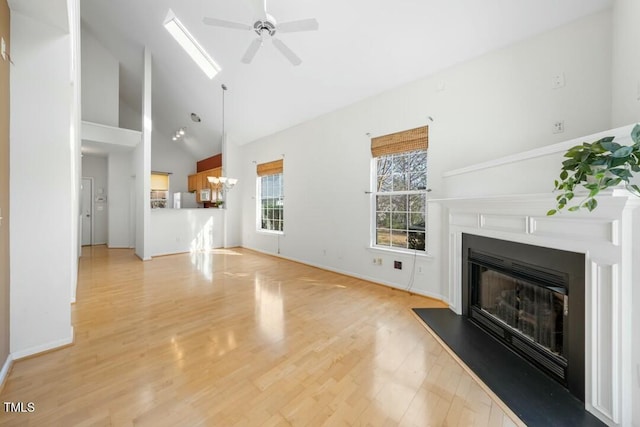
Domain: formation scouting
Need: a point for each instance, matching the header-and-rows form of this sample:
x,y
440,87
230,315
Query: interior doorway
x,y
86,199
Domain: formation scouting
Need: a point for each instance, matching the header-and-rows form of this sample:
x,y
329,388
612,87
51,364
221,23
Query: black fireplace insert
x,y
531,299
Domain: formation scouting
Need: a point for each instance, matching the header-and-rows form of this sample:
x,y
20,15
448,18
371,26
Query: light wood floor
x,y
240,338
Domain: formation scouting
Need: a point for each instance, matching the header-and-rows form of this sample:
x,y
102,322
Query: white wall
x,y
129,117
142,169
186,230
43,209
100,82
233,168
120,172
96,168
626,63
498,104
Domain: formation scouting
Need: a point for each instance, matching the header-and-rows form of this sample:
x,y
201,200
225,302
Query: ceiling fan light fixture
x,y
190,45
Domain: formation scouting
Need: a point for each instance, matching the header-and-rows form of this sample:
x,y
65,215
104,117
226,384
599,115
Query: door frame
x,y
90,207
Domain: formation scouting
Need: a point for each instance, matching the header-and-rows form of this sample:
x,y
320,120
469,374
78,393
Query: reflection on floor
x,y
235,337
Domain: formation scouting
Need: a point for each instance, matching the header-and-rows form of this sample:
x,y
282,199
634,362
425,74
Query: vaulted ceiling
x,y
362,48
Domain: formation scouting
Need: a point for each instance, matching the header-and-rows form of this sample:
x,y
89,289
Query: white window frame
x,y
259,205
373,213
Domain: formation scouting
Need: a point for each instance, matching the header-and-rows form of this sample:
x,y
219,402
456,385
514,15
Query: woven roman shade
x,y
270,168
401,142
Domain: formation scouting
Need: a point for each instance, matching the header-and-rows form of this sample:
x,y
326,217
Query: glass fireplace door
x,y
532,310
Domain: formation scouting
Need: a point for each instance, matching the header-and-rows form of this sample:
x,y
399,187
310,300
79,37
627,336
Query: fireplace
x,y
531,299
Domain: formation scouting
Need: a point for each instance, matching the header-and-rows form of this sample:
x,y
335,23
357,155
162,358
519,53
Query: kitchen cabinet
x,y
192,183
200,181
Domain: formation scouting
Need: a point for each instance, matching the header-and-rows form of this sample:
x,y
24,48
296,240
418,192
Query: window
x,y
159,189
399,205
270,196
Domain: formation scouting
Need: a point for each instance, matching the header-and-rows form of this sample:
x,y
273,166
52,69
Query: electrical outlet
x,y
557,81
397,265
379,261
558,127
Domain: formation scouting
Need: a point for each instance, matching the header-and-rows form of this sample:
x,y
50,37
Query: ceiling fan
x,y
266,28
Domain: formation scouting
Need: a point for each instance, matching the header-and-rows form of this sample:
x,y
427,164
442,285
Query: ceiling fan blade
x,y
226,24
288,53
251,51
301,25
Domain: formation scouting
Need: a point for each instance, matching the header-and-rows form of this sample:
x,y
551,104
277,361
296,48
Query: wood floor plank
x,y
233,337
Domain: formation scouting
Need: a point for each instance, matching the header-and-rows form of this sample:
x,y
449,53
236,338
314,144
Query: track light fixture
x,y
179,133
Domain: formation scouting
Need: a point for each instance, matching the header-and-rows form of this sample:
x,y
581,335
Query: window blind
x,y
270,168
159,181
401,142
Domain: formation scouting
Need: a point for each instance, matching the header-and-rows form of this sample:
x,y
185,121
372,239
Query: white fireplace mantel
x,y
612,265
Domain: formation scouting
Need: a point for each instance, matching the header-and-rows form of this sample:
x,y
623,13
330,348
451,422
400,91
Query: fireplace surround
x,y
507,198
610,269
531,299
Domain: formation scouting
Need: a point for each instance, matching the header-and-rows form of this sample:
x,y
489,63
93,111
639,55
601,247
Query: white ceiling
x,y
363,47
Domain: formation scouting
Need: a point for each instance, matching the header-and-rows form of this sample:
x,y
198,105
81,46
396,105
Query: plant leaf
x,y
596,147
574,208
634,189
591,186
622,173
635,134
591,204
599,161
622,152
615,162
611,182
552,212
610,146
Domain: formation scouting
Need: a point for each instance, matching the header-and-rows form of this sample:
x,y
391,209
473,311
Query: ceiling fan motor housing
x,y
260,27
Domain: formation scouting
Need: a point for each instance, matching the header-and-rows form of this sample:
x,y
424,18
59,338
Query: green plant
x,y
597,166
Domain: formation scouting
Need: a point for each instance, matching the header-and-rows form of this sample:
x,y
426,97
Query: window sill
x,y
270,232
400,252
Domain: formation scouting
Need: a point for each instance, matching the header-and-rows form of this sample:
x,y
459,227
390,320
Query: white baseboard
x,y
16,355
357,276
5,370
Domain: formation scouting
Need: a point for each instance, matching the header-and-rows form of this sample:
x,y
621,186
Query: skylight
x,y
191,45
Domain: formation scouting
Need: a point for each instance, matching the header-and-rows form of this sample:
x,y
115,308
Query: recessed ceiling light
x,y
190,45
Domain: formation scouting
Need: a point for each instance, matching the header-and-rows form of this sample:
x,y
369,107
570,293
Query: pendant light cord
x,y
224,89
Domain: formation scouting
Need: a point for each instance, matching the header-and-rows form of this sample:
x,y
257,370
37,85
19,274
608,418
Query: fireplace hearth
x,y
531,299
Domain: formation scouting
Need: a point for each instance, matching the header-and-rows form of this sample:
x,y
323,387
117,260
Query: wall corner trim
x,y
53,345
6,368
